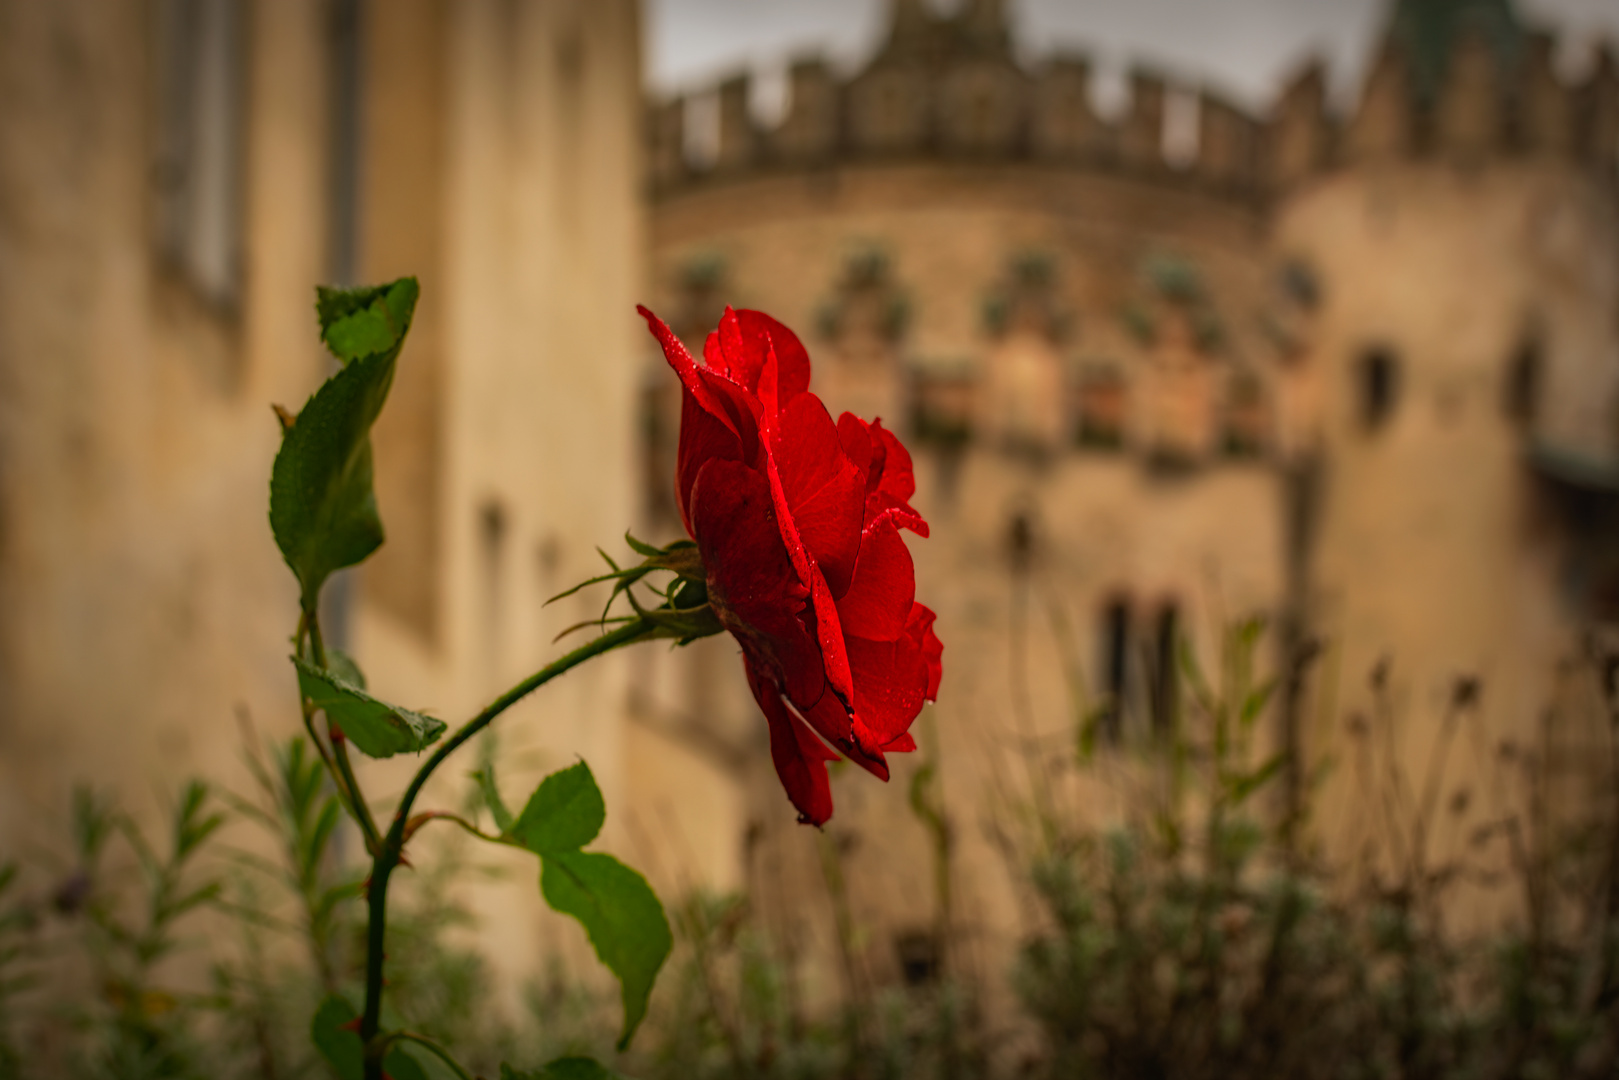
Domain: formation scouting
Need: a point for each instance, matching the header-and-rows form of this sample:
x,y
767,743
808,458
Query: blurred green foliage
x,y
1193,936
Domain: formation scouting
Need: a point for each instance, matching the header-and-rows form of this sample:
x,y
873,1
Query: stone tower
x,y
1356,373
1461,239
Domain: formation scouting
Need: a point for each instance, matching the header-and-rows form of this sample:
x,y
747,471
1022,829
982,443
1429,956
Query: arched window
x,y
1166,671
1115,640
493,527
202,96
1020,540
1377,384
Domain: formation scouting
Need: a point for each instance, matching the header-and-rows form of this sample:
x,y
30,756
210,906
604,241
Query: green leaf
x,y
622,916
568,1068
342,1049
367,321
1240,787
379,729
564,814
342,665
323,510
491,797
334,1034
1255,702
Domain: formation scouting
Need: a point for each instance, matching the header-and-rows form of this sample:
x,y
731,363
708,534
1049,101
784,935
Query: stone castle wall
x,y
1137,385
150,310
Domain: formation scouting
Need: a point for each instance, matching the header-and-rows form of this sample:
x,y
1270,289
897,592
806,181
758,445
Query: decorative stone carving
x,y
865,321
1025,406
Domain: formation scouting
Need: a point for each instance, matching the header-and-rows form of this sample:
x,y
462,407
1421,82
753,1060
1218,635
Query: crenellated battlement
x,y
1468,92
950,89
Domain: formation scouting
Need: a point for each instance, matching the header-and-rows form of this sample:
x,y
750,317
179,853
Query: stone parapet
x,y
951,88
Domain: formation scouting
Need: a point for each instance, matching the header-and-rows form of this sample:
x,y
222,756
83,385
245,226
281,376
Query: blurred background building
x,y
1355,370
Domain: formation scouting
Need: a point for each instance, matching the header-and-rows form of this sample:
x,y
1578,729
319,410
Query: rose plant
x,y
794,549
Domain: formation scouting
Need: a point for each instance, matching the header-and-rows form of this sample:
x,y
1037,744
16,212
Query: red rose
x,y
798,523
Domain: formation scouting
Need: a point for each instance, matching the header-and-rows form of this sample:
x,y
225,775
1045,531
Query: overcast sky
x,y
1244,48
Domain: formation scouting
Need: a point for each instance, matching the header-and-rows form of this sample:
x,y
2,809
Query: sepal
x,y
683,614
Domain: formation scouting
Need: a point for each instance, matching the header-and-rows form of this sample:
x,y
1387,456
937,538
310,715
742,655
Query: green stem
x,y
298,640
339,759
317,645
387,855
357,804
431,1045
456,819
304,620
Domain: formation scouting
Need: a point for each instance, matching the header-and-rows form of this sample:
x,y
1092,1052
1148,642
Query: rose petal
x,y
878,603
799,757
897,478
829,635
832,722
828,630
825,491
755,590
856,441
921,626
892,679
892,483
890,685
674,351
902,745
703,438
717,417
890,478
738,349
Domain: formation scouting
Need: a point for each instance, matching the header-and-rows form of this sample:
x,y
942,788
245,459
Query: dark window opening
x,y
1115,668
1020,541
919,959
492,530
1300,284
1522,391
941,412
1165,674
201,99
1378,376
